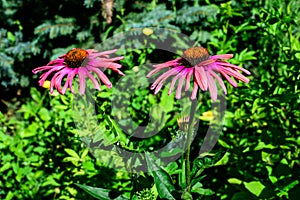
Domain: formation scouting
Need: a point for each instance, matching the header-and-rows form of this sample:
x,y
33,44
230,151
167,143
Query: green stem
x,y
189,141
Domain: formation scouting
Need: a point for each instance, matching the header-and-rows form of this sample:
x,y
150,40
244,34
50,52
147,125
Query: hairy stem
x,y
189,141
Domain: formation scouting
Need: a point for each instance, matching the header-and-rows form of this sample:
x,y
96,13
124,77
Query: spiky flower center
x,y
195,55
76,58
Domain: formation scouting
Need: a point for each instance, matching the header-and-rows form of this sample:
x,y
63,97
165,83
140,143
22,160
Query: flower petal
x,y
234,66
232,82
174,81
162,66
70,79
101,76
82,81
59,78
188,78
158,87
53,82
44,76
222,56
95,82
93,54
56,62
201,78
212,87
220,81
235,74
166,75
195,90
180,84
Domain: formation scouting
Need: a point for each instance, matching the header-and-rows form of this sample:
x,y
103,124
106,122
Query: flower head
x,y
198,66
79,62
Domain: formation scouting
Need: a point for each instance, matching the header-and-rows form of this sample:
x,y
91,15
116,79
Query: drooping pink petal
x,y
110,59
53,82
157,88
101,76
201,78
82,81
64,89
168,64
188,78
42,68
235,74
70,79
94,81
221,56
232,82
45,75
59,78
195,90
212,87
103,64
180,84
220,81
205,63
166,75
56,62
174,81
109,65
162,66
233,66
103,53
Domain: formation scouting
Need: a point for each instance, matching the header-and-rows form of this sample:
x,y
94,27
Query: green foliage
x,y
52,147
61,26
13,50
36,159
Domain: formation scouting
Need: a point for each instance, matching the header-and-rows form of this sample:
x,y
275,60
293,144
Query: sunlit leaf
x,y
255,187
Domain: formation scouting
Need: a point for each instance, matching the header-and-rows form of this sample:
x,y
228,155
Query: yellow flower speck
x,y
46,84
148,31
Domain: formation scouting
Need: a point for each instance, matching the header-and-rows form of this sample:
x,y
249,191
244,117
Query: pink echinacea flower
x,y
79,62
197,65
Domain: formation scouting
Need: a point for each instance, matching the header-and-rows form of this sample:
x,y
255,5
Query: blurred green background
x,y
43,156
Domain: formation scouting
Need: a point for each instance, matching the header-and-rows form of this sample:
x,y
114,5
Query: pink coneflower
x,y
197,64
81,62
